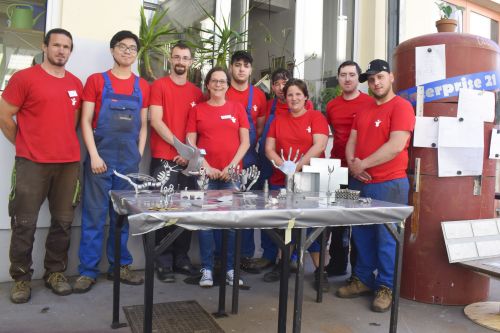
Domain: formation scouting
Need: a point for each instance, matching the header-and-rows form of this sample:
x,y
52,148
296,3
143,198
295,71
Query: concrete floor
x,y
91,312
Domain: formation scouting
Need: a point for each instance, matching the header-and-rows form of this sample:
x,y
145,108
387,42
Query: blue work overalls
x,y
116,137
250,158
266,170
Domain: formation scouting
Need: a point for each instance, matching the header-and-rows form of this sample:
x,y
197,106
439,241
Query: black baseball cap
x,y
374,67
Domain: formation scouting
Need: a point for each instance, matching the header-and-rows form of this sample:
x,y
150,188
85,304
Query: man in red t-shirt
x,y
172,98
377,156
114,129
45,99
254,102
341,112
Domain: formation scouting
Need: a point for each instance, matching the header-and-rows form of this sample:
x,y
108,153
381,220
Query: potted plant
x,y
153,35
446,23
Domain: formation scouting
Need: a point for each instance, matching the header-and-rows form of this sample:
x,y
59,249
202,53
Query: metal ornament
x,y
202,178
288,167
330,172
194,155
240,180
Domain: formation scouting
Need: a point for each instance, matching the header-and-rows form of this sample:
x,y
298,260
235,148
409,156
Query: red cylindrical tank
x,y
427,275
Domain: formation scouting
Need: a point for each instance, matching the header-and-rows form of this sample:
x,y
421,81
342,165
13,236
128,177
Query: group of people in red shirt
x,y
235,125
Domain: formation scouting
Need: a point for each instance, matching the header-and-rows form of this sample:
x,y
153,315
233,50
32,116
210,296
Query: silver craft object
x,y
347,194
330,173
288,167
243,180
194,155
202,178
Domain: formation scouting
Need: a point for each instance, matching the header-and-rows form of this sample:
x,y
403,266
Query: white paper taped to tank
x,y
478,104
430,64
426,132
460,147
495,144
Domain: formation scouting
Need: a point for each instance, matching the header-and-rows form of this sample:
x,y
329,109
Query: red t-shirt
x,y
340,114
374,126
258,102
282,107
95,85
218,130
46,116
176,101
295,132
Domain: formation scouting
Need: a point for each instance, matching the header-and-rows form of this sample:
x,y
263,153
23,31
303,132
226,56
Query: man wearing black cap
x,y
377,157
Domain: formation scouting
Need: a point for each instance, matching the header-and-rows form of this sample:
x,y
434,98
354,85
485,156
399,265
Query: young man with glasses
x,y
172,98
114,129
45,101
254,102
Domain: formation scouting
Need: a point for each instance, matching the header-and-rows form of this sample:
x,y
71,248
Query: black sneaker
x,y
325,287
249,265
184,266
273,275
165,274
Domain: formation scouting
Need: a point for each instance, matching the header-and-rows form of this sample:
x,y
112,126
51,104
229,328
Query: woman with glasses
x,y
221,128
302,131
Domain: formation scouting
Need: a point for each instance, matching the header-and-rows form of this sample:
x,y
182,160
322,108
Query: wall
x,y
372,31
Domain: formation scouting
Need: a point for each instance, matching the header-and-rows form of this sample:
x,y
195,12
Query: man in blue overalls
x,y
254,102
114,118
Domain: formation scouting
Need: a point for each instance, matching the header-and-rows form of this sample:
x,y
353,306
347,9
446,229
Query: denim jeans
x,y
211,240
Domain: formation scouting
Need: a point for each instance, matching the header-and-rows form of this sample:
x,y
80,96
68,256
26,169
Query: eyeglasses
x,y
123,48
280,83
215,82
179,58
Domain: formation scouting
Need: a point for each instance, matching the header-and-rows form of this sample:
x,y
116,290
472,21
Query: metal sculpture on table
x,y
288,167
243,180
330,173
194,155
148,182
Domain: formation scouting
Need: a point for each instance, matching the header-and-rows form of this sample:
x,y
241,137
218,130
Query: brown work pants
x,y
32,183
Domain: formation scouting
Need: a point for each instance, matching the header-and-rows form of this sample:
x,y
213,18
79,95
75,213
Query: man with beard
x,y
172,98
341,112
114,129
254,102
45,99
377,157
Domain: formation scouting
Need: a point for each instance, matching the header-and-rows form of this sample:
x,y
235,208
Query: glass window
x,y
22,27
483,26
328,30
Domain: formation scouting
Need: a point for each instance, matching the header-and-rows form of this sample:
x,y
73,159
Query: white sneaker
x,y
230,277
206,280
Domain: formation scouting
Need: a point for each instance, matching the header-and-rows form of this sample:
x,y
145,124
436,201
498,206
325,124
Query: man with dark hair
x,y
172,98
341,112
114,129
254,102
377,156
45,99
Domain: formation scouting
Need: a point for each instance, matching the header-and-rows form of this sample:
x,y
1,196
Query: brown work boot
x,y
354,288
58,283
83,284
383,299
127,276
20,292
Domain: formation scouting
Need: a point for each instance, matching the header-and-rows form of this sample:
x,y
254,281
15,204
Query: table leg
x,y
149,247
221,312
399,237
116,274
299,282
319,292
236,284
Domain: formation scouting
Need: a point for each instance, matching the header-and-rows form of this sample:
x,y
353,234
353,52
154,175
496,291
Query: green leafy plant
x,y
446,9
327,94
154,40
215,45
